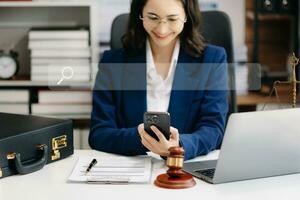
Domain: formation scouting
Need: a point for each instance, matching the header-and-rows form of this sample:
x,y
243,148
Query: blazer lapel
x,y
183,90
134,89
135,94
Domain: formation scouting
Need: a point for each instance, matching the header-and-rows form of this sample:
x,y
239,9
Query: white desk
x,y
50,183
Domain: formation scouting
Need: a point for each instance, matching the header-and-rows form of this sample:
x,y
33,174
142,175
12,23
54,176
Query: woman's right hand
x,y
162,146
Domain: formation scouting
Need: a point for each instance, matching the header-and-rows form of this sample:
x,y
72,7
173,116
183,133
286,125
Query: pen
x,y
93,163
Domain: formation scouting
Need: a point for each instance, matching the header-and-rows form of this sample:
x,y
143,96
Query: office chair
x,y
216,29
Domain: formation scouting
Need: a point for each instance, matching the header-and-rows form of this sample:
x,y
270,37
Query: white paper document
x,y
112,170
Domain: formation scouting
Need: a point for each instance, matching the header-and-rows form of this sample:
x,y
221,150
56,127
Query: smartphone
x,y
159,119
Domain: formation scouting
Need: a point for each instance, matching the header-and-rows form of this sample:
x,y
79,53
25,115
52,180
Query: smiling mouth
x,y
161,37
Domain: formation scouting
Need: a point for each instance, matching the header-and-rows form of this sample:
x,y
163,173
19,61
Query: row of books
x,y
14,101
54,50
64,104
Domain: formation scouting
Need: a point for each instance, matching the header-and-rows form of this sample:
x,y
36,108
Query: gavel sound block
x,y
175,178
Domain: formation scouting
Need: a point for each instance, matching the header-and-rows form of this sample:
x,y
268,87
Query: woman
x,y
179,74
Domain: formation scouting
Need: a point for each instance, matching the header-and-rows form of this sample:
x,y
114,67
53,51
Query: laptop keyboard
x,y
207,172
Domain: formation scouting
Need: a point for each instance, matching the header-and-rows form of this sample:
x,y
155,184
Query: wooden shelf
x,y
269,16
256,98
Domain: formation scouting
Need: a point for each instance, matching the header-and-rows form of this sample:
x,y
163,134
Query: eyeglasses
x,y
154,20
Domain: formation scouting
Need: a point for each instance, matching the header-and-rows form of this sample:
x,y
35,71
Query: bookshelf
x,y
18,18
271,36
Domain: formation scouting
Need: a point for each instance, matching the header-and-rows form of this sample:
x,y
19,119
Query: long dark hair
x,y
191,40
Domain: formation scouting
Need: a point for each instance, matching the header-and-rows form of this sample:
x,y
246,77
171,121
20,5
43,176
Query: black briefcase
x,y
28,142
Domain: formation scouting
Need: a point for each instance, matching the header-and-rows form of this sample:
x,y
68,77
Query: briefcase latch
x,y
57,144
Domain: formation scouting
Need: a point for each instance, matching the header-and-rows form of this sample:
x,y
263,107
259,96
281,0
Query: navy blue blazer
x,y
198,102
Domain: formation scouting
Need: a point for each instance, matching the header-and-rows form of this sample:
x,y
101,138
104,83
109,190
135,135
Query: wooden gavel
x,y
175,178
175,162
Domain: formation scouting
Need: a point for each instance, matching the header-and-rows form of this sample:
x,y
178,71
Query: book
x,y
67,116
58,69
58,34
14,96
15,108
56,53
58,44
57,77
60,61
61,109
46,97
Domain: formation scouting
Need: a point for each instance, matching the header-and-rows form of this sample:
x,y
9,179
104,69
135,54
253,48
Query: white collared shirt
x,y
159,89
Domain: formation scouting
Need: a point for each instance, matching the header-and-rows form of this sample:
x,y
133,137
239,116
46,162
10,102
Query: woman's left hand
x,y
162,146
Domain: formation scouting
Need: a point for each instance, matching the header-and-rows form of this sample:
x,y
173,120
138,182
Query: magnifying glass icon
x,y
67,73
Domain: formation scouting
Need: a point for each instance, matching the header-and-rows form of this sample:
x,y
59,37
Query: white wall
x,y
236,11
107,11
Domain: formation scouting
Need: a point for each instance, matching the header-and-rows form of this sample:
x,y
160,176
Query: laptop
x,y
255,145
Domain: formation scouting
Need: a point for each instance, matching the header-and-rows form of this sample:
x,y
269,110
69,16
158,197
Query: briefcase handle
x,y
32,167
